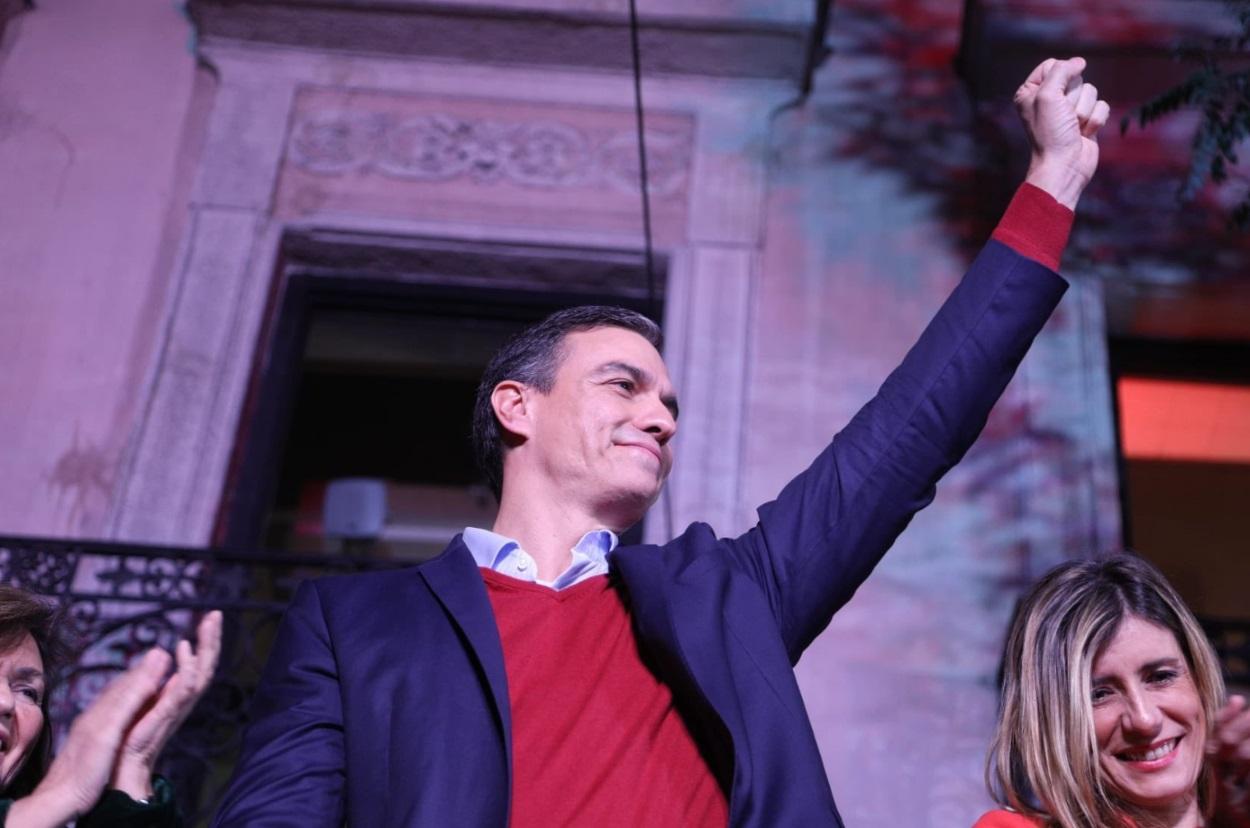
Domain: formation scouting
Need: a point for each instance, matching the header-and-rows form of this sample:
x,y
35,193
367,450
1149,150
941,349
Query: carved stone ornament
x,y
441,147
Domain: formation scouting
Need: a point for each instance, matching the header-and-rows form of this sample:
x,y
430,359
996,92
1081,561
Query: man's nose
x,y
6,700
658,421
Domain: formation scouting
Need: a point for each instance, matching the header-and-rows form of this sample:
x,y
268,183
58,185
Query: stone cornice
x,y
711,37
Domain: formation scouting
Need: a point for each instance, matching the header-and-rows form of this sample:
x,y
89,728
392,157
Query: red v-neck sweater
x,y
596,739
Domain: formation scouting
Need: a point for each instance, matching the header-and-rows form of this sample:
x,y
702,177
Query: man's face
x,y
602,434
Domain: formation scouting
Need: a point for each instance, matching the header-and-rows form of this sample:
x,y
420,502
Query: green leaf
x,y
1222,96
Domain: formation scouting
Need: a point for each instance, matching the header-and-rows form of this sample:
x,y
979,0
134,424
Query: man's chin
x,y
628,508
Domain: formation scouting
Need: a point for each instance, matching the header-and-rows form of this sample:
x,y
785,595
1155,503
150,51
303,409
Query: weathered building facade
x,y
163,176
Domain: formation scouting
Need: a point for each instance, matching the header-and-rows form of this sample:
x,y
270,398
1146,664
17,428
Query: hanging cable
x,y
653,305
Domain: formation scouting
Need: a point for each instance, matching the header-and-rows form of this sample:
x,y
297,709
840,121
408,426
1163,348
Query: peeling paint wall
x,y
94,101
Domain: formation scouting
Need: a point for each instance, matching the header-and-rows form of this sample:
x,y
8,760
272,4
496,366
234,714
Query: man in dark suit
x,y
537,674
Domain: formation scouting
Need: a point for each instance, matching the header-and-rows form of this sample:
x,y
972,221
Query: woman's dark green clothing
x,y
116,810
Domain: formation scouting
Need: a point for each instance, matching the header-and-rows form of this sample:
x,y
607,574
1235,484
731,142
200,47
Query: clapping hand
x,y
168,708
1229,749
118,738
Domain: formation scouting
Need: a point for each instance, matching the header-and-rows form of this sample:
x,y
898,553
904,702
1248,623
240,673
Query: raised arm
x,y
830,526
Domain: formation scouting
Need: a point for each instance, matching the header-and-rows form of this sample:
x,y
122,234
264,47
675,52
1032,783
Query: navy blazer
x,y
385,701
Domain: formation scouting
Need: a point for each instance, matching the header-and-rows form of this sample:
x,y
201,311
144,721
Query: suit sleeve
x,y
292,767
816,543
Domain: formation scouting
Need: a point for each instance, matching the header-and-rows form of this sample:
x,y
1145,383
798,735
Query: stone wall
x,y
95,156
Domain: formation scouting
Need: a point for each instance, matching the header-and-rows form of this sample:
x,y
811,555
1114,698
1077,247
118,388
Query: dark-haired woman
x,y
103,773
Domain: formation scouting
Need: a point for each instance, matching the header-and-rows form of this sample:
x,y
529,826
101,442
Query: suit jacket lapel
x,y
455,581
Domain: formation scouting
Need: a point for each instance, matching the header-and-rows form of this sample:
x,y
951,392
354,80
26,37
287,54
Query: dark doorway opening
x,y
373,356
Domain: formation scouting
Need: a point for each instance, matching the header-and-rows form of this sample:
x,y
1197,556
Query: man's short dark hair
x,y
532,357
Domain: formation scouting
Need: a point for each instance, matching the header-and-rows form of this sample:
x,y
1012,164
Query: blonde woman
x,y
1113,712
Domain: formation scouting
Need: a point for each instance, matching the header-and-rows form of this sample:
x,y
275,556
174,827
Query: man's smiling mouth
x,y
651,450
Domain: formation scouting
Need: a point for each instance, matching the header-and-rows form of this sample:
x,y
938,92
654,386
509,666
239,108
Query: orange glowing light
x,y
1176,420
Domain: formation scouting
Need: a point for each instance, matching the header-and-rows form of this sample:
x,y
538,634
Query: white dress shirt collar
x,y
504,555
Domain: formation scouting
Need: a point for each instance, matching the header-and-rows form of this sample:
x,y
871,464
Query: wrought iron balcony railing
x,y
120,600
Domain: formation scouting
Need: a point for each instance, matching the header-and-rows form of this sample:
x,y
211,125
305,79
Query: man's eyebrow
x,y
635,373
639,376
28,674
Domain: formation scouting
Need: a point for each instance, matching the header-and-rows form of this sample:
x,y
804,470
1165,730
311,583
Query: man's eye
x,y
30,693
625,385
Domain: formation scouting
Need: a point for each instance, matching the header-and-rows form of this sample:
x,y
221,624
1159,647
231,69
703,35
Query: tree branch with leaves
x,y
1220,89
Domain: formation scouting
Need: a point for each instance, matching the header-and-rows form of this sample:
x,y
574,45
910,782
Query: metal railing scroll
x,y
119,600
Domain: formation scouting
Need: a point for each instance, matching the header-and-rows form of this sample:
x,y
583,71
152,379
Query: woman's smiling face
x,y
1148,718
21,713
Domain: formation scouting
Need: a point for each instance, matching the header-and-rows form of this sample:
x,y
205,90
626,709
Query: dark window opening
x,y
373,376
1184,448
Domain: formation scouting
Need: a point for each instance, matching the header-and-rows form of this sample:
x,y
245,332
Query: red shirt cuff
x,y
1036,226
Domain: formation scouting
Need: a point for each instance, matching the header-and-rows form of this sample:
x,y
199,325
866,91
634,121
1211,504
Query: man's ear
x,y
511,399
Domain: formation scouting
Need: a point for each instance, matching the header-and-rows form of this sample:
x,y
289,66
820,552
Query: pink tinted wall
x,y
94,102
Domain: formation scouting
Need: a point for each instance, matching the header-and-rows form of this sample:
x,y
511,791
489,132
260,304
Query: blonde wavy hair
x,y
1043,760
